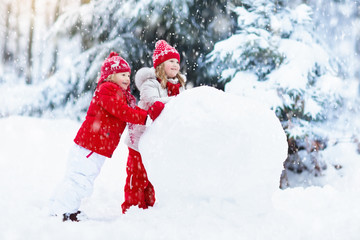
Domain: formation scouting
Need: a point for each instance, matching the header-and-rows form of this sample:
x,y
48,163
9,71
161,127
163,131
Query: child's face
x,y
122,79
171,67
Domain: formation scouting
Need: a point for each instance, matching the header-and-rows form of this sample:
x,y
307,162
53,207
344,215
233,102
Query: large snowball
x,y
214,146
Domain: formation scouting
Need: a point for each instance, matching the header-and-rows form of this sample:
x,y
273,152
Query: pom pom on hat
x,y
113,64
163,51
113,54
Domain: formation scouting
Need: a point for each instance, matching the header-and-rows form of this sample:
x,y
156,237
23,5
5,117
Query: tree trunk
x,y
31,39
56,48
6,53
18,49
85,2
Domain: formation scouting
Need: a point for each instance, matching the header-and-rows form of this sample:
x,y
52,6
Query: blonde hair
x,y
109,78
160,74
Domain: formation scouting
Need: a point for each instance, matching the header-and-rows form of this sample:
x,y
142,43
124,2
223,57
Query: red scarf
x,y
131,100
173,89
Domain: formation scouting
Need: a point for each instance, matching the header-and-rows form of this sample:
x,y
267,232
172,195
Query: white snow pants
x,y
78,183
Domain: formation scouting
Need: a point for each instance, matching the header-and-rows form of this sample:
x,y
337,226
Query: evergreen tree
x,y
193,26
275,57
130,28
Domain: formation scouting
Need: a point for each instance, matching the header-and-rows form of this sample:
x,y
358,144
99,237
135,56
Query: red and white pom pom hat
x,y
163,51
112,65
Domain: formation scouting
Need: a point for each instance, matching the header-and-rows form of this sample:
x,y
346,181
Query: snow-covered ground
x,y
214,179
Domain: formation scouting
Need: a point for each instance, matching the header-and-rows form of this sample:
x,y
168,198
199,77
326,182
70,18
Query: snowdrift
x,y
214,146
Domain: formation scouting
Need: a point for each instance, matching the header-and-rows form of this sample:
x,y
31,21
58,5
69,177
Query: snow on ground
x,y
202,193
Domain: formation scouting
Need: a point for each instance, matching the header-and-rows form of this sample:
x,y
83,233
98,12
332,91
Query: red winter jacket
x,y
106,120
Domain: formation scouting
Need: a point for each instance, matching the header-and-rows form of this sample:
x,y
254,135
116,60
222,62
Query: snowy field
x,y
210,178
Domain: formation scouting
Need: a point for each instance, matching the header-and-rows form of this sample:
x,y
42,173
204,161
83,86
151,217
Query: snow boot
x,y
74,217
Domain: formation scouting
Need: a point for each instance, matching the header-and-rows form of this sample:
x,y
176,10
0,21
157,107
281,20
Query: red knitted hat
x,y
163,51
112,65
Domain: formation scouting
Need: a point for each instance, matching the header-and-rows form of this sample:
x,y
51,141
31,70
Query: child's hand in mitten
x,y
155,109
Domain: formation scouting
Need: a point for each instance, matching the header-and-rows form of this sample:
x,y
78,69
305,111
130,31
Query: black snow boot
x,y
71,216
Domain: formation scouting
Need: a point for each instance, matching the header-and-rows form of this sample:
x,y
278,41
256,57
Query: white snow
x,y
214,176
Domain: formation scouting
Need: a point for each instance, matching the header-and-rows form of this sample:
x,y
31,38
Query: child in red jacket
x,y
111,108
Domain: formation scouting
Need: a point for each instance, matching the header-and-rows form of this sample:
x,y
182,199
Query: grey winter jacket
x,y
150,92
